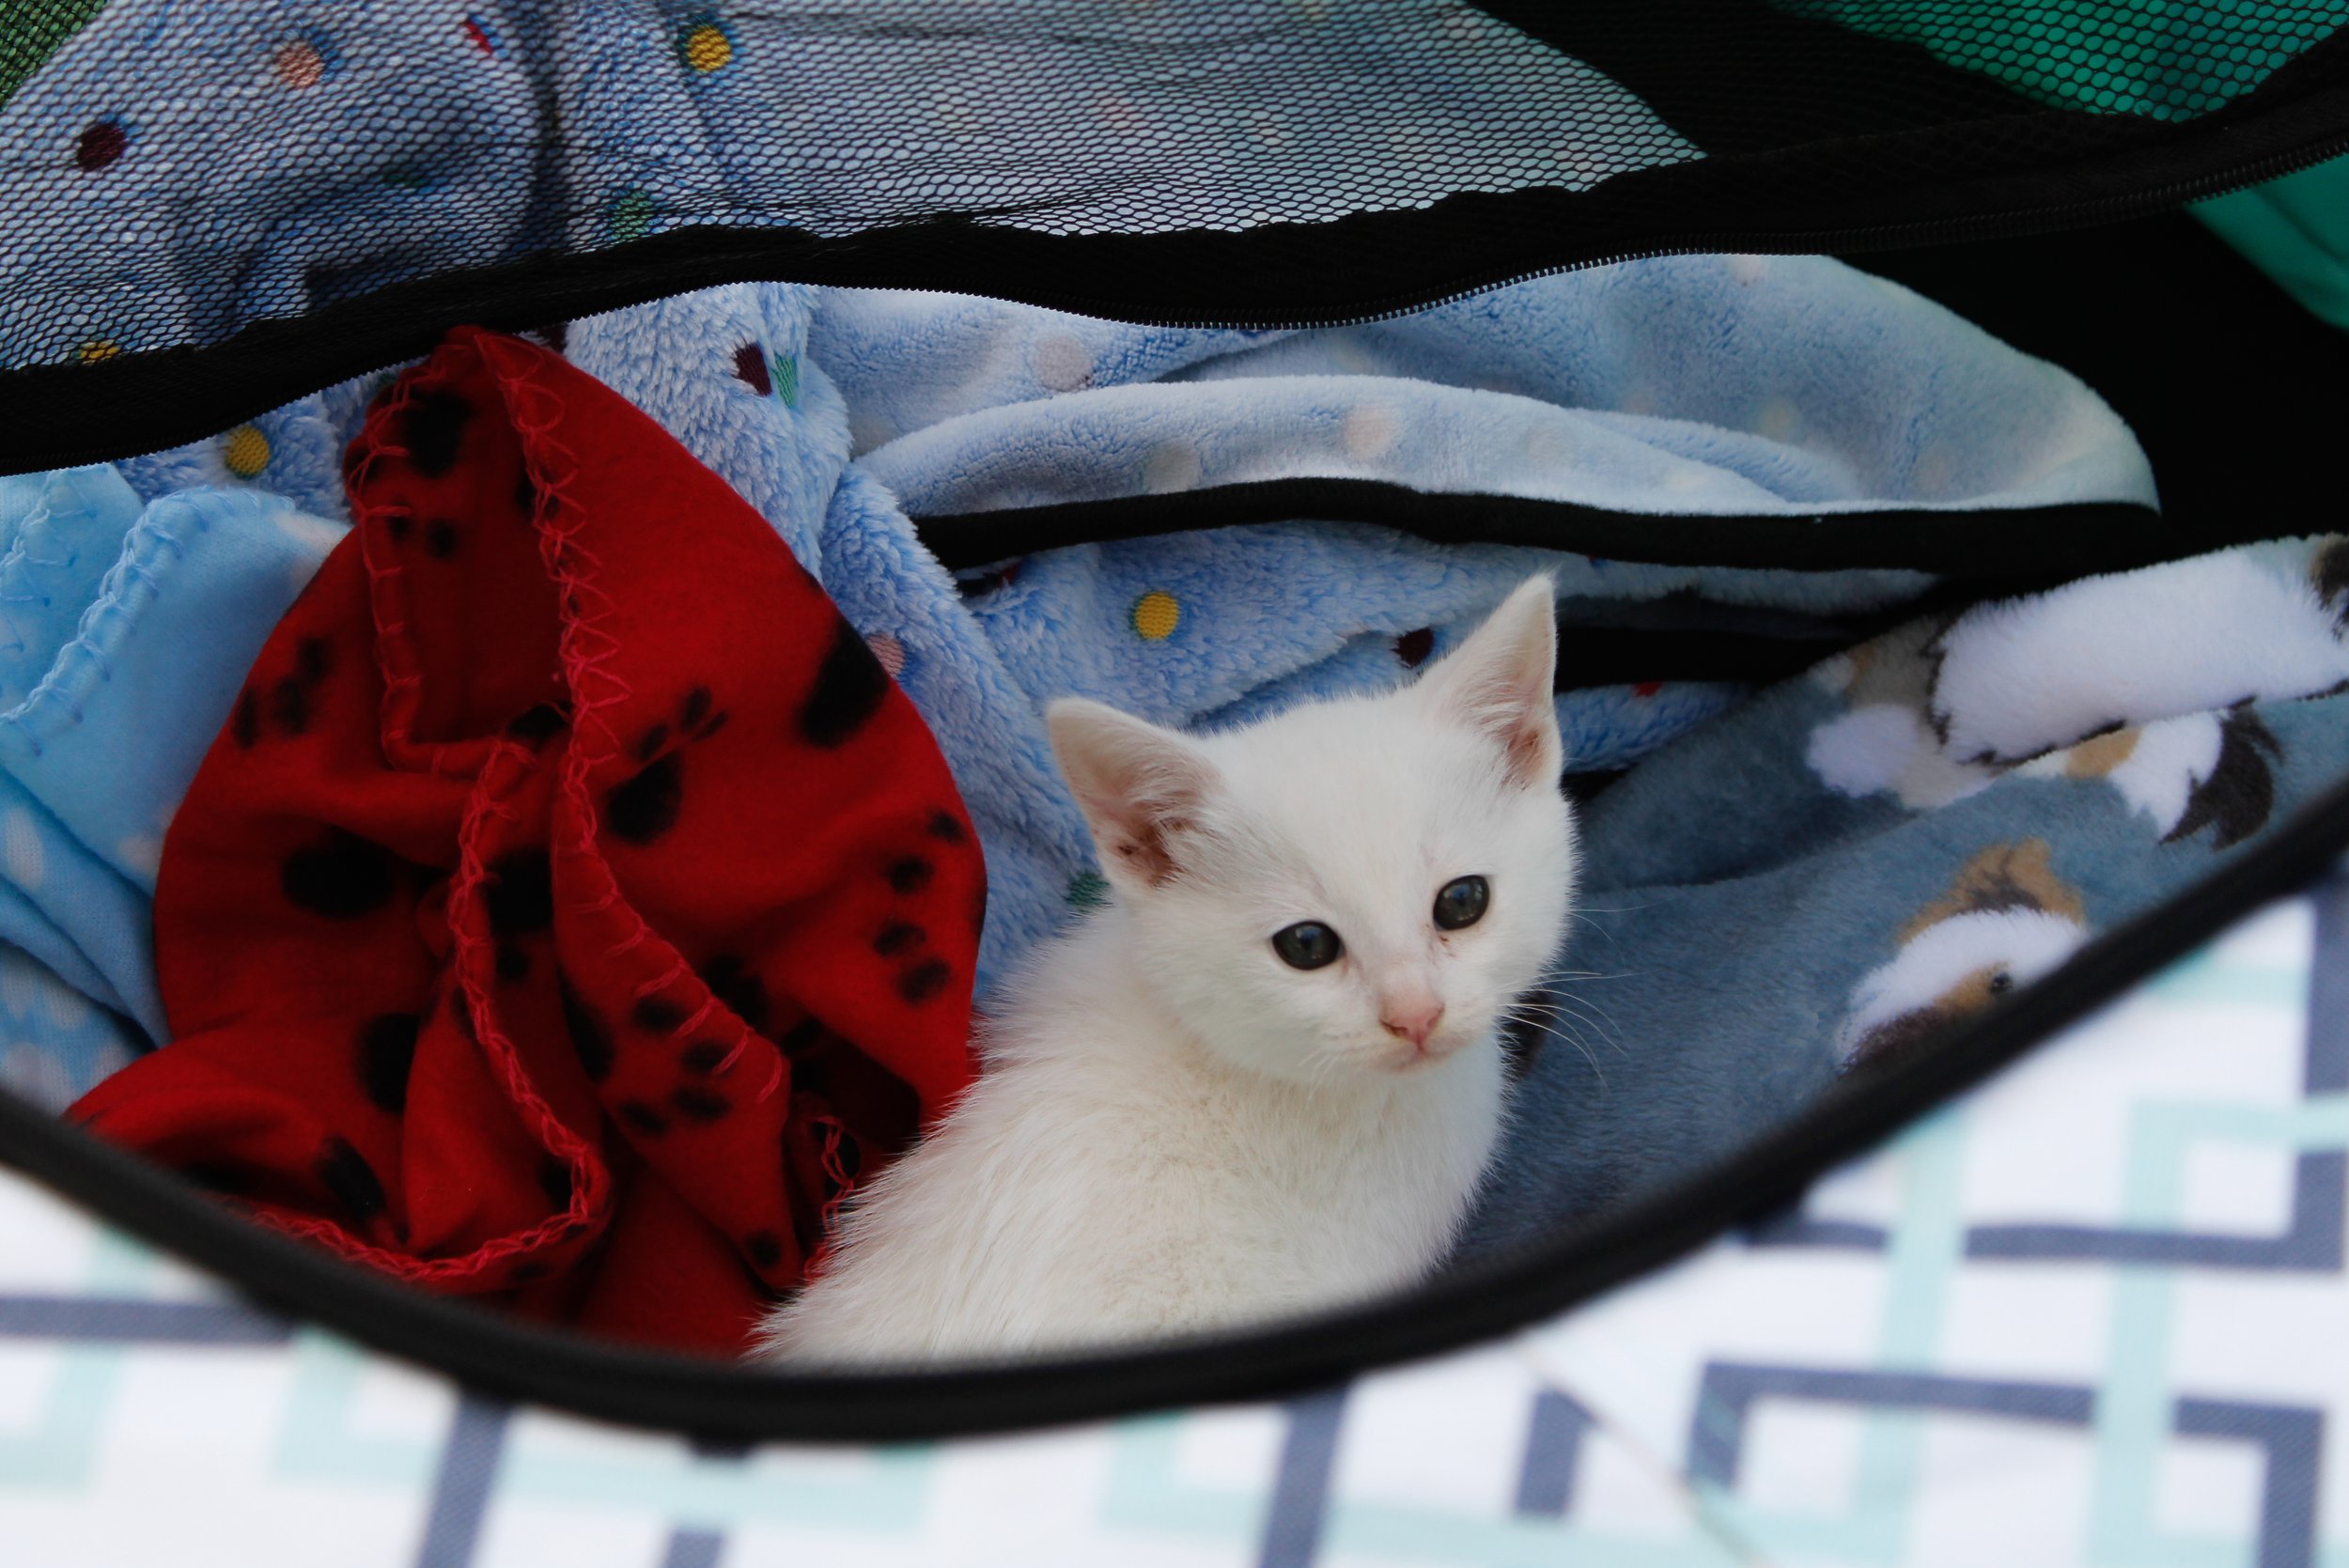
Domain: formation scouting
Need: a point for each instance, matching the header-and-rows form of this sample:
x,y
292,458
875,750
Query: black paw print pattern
x,y
697,1098
643,806
850,687
920,972
285,705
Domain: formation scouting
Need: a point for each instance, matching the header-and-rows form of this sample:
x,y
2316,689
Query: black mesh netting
x,y
304,189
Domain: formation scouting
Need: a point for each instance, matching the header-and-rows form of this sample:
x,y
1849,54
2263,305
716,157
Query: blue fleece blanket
x,y
1782,883
127,627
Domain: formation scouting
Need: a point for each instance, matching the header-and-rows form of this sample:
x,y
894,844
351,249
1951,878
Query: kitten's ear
x,y
1501,680
1137,785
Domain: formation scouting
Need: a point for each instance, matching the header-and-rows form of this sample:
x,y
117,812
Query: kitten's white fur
x,y
1177,1131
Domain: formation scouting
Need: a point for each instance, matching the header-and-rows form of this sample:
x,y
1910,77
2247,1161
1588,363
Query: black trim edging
x,y
2065,539
2045,169
508,1360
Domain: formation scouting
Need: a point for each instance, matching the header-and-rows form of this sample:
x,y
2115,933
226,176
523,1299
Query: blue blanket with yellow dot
x,y
877,429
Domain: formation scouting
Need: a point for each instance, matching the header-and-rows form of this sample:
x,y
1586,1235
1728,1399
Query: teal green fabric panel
x,y
2296,231
2166,59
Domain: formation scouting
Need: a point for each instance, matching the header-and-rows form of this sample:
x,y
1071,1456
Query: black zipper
x,y
56,415
1991,544
1856,240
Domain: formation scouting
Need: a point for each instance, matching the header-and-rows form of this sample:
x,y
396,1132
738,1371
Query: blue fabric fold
x,y
127,626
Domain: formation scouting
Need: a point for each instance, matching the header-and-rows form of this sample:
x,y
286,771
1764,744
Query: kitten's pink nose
x,y
1412,1019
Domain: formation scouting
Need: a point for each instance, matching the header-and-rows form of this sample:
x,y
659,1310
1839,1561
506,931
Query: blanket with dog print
x,y
560,915
1904,835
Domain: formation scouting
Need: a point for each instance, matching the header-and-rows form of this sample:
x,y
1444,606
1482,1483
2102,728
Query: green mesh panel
x,y
2166,61
30,31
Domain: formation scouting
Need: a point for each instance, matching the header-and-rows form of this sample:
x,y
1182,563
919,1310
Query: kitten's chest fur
x,y
1109,1178
1309,1193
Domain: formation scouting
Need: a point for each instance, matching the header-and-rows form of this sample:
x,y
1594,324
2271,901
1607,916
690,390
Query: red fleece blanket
x,y
571,908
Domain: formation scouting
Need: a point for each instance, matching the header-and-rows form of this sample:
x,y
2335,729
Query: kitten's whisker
x,y
1594,1005
1577,914
1552,1015
1544,1001
1581,1006
1555,1008
1600,1073
1598,1018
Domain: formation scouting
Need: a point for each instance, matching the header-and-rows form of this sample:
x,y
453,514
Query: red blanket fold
x,y
572,907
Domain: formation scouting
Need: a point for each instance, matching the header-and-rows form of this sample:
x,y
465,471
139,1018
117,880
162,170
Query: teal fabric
x,y
2296,231
2172,61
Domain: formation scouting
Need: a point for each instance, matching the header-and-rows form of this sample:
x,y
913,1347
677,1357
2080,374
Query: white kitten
x,y
1266,1076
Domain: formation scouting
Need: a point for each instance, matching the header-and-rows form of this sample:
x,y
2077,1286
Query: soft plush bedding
x,y
1785,879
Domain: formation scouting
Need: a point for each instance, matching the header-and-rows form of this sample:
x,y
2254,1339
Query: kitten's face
x,y
1352,888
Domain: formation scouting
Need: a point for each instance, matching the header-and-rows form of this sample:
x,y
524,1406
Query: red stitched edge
x,y
396,662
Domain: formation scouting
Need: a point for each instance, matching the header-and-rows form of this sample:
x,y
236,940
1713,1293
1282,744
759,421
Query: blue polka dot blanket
x,y
1847,775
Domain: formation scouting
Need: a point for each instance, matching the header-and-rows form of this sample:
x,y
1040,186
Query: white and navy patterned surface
x,y
2094,1313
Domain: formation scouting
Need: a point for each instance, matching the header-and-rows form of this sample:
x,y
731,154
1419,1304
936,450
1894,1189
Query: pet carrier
x,y
536,536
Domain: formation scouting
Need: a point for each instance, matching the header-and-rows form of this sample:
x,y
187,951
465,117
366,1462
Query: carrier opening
x,y
1851,831
521,748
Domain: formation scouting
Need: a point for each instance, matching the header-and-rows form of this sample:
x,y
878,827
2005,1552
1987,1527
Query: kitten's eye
x,y
1462,903
1307,945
